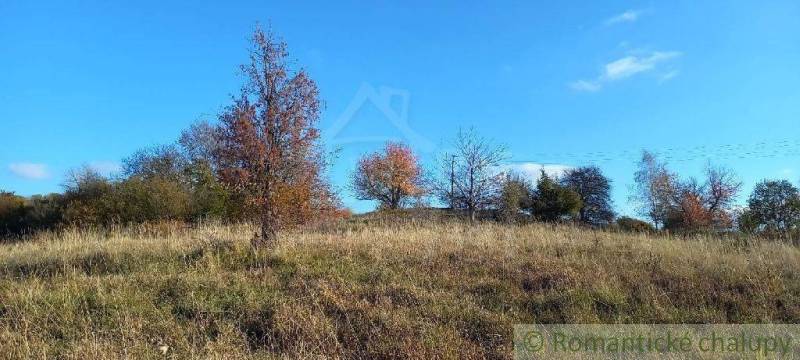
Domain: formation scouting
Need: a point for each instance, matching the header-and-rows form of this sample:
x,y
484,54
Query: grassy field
x,y
368,290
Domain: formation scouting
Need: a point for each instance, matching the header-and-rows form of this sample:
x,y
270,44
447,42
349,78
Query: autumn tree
x,y
720,191
688,211
654,191
392,177
704,206
269,146
594,190
469,179
685,205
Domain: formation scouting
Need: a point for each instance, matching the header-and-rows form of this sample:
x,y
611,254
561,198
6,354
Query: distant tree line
x,y
690,205
203,176
469,178
175,182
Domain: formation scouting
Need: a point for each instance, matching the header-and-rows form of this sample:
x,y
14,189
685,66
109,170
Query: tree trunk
x,y
266,238
395,199
268,229
472,214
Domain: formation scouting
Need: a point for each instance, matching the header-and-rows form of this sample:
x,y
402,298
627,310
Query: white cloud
x,y
632,65
585,85
29,171
627,67
668,76
627,16
105,167
532,171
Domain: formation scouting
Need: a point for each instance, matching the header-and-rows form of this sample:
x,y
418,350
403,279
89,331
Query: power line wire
x,y
760,150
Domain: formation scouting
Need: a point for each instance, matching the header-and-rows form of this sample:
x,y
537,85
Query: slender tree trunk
x,y
394,202
472,214
268,227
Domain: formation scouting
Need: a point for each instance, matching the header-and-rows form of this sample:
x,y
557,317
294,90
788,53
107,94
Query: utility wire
x,y
760,150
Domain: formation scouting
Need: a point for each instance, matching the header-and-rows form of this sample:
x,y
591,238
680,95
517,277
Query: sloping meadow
x,y
418,289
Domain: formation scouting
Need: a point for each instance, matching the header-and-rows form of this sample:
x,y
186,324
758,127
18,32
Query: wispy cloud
x,y
105,167
632,65
625,17
627,67
668,76
532,171
29,171
585,85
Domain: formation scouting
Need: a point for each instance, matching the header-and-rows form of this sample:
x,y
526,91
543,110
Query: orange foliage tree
x,y
269,148
707,206
391,176
691,213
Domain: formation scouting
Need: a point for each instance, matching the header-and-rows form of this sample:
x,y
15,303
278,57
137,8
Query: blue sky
x,y
565,83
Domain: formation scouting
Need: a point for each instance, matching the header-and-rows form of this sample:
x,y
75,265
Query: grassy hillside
x,y
368,290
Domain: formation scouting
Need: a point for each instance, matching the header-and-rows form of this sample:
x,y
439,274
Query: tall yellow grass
x,y
416,289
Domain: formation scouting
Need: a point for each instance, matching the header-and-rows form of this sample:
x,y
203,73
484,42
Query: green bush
x,y
44,211
12,213
634,225
209,198
19,215
553,202
137,200
773,209
88,198
515,195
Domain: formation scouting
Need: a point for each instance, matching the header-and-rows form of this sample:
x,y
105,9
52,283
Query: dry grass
x,y
419,290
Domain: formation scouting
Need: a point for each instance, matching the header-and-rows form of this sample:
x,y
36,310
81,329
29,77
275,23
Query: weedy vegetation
x,y
368,288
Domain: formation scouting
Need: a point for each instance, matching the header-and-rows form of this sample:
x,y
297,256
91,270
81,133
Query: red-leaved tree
x,y
391,176
269,149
